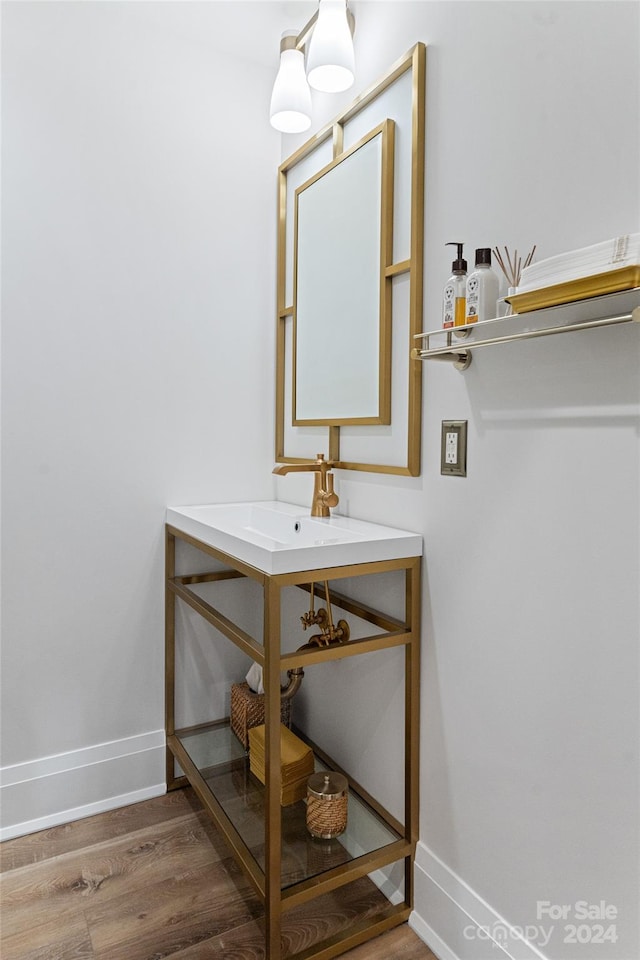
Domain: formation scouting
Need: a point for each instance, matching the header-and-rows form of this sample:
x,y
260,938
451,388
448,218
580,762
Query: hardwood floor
x,y
155,880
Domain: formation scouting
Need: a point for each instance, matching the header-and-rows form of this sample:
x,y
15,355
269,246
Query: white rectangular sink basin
x,y
279,537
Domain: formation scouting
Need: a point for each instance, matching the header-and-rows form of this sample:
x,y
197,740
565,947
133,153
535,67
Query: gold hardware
x,y
311,618
329,634
296,676
324,496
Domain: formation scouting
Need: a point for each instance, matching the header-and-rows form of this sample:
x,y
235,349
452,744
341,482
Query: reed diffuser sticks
x,y
512,269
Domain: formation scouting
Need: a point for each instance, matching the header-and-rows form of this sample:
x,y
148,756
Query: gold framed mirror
x,y
343,242
381,434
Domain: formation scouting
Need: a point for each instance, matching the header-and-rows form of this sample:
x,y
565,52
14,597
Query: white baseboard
x,y
52,790
457,924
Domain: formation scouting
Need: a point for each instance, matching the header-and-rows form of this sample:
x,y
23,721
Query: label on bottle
x,y
473,299
449,306
482,295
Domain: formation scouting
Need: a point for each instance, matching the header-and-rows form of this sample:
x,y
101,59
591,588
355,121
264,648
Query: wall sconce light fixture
x,y
328,38
290,109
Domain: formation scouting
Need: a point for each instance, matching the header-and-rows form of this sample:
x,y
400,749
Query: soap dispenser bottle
x,y
454,302
482,288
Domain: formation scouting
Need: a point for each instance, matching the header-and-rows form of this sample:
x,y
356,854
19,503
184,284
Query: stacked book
x,y
601,258
296,761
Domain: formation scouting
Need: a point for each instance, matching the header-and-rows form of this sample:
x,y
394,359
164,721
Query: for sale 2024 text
x,y
590,922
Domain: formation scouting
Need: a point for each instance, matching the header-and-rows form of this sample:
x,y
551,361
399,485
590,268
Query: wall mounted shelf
x,y
603,311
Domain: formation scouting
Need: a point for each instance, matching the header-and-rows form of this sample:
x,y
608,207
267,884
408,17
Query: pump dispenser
x,y
454,302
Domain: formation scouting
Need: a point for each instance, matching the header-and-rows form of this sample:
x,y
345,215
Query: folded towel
x,y
293,751
590,261
296,763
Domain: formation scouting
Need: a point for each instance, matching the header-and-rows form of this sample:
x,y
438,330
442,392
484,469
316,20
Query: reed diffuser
x,y
513,268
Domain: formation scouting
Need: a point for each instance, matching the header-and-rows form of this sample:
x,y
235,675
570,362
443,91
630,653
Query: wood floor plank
x,y
241,943
331,915
154,881
401,943
55,841
55,889
305,926
168,917
51,941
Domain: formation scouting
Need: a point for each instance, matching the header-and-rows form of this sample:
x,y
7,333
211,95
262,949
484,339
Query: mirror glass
x,y
342,233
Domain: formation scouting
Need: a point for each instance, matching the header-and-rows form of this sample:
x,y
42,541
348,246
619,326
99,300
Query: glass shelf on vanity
x,y
223,769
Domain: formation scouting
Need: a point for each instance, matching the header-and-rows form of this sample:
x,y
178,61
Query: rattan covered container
x,y
327,803
247,711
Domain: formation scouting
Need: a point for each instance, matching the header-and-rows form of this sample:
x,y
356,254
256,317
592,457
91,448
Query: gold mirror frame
x,y
414,61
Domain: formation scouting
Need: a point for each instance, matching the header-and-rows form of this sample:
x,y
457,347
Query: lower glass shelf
x,y
224,767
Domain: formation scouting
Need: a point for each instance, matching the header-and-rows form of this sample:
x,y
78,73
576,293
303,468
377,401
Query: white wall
x,y
131,214
138,297
529,739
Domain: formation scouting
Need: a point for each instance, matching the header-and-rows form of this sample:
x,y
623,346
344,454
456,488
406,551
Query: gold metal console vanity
x,y
286,866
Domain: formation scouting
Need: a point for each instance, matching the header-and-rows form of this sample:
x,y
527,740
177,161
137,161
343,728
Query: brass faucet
x,y
324,495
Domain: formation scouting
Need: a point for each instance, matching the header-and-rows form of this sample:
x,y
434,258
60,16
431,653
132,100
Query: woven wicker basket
x,y
247,710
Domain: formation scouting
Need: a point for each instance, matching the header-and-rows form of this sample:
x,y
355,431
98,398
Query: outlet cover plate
x,y
453,448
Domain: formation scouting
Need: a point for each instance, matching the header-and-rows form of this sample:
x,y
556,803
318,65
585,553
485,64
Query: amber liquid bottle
x,y
454,307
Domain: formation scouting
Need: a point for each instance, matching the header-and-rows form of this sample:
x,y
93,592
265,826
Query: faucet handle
x,y
329,496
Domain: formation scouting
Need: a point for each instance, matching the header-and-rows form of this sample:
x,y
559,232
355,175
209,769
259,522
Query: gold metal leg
x,y
273,776
413,701
412,720
170,653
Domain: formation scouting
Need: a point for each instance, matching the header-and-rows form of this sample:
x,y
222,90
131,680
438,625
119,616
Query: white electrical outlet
x,y
453,448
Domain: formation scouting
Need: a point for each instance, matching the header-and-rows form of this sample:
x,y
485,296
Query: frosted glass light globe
x,y
331,60
290,110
